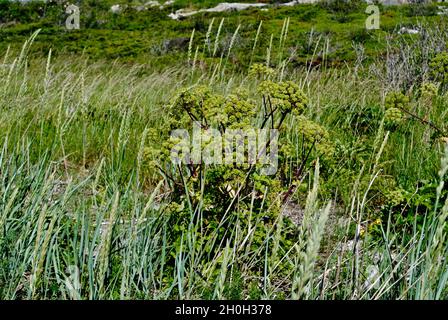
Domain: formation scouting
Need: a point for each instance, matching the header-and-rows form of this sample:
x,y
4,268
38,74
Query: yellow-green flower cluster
x,y
213,110
239,112
395,197
393,117
287,149
195,104
261,71
152,152
429,90
192,99
173,146
397,100
286,95
439,67
314,133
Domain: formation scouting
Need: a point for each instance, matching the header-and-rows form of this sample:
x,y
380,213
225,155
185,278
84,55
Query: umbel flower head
x,y
429,90
315,134
200,105
395,197
285,95
393,117
192,99
195,104
439,67
397,100
239,111
258,70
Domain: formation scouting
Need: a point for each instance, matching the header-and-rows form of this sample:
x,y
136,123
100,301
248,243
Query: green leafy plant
x,y
439,68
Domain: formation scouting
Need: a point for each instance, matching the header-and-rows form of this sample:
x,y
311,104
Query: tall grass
x,y
82,217
114,244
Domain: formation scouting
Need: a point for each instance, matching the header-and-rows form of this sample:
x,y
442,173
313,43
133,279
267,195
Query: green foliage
x,y
140,36
342,7
393,117
286,96
409,209
429,90
261,71
395,103
396,100
93,207
215,187
439,68
421,9
315,135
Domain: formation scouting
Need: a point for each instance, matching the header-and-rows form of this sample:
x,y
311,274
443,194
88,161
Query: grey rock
x,y
175,44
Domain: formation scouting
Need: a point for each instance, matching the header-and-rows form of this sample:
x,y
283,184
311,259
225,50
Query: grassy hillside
x,y
142,36
92,207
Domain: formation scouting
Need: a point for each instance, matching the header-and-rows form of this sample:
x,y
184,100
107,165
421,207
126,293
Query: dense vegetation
x,y
149,36
91,206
